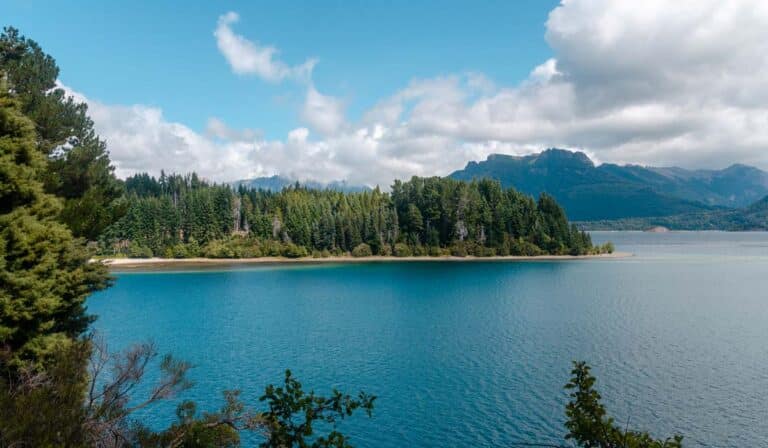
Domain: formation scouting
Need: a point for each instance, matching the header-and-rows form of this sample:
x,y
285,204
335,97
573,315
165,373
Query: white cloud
x,y
250,58
545,72
217,128
323,113
652,82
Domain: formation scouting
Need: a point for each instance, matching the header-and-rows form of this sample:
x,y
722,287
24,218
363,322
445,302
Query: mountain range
x,y
752,217
611,192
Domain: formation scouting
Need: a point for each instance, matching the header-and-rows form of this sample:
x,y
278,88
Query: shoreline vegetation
x,y
178,216
159,262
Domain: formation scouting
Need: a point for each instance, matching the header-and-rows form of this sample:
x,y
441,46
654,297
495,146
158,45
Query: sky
x,y
373,91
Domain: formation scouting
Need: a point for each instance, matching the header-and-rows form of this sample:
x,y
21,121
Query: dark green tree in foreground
x,y
78,169
45,276
590,426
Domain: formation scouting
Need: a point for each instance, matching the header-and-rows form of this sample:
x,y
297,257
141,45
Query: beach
x,y
157,262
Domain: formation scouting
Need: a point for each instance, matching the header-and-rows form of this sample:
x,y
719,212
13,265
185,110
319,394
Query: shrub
x,y
362,250
179,251
291,250
402,250
272,248
217,249
136,250
525,248
193,248
458,249
419,250
487,252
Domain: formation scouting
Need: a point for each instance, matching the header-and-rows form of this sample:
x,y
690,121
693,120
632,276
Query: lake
x,y
476,354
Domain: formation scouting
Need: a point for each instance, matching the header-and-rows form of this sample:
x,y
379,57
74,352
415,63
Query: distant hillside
x,y
277,183
610,192
753,217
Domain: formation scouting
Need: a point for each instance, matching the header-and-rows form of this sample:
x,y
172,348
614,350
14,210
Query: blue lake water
x,y
476,354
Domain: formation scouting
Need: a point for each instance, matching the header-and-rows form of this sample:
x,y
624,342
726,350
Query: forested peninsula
x,y
176,216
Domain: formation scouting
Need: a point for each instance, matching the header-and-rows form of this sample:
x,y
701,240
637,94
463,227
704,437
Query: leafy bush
x,y
458,249
487,252
434,251
218,249
419,251
136,250
291,250
362,250
525,248
402,250
180,251
385,250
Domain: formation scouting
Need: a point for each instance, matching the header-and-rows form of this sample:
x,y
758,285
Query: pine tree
x,y
45,275
79,170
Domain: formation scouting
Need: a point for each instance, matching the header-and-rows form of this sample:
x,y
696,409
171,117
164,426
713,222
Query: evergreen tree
x,y
45,275
425,214
79,171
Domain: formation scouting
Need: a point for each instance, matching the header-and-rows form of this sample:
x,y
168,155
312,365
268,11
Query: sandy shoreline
x,y
152,263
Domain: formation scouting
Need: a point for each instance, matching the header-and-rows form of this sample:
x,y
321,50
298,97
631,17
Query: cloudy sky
x,y
371,92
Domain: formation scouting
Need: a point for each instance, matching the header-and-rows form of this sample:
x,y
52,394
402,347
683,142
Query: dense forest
x,y
183,216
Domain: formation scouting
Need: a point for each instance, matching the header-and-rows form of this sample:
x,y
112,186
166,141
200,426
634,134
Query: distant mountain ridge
x,y
753,217
277,183
610,191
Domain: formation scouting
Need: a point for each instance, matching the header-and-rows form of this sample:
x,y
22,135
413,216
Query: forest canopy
x,y
184,216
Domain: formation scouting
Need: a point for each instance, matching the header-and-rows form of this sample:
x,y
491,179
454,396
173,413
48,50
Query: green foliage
x,y
420,217
291,419
362,250
234,247
293,414
45,275
293,251
46,408
78,169
402,250
590,426
136,250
